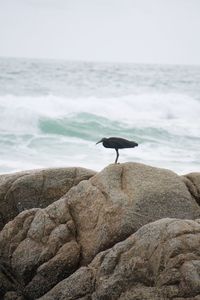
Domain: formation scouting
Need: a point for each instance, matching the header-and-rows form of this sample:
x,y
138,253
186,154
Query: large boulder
x,y
25,190
161,261
43,246
123,197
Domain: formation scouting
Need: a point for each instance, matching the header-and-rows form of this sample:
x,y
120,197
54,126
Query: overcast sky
x,y
141,31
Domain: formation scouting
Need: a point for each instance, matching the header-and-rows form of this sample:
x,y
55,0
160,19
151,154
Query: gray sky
x,y
147,31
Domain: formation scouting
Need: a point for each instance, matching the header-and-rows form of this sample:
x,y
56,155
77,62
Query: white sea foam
x,y
176,113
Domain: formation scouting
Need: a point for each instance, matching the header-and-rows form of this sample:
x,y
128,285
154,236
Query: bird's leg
x,y
117,156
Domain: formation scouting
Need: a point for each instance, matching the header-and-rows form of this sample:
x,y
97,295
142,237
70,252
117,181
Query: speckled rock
x,y
25,190
161,261
122,198
192,181
41,247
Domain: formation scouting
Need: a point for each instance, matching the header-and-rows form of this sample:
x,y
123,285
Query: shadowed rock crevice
x,y
9,280
192,181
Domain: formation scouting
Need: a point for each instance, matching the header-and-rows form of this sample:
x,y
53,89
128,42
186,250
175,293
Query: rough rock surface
x,y
192,181
121,199
160,261
25,190
41,247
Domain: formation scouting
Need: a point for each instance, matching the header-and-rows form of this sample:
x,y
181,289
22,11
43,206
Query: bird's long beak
x,y
99,142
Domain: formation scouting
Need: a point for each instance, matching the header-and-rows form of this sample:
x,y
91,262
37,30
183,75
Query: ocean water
x,y
53,112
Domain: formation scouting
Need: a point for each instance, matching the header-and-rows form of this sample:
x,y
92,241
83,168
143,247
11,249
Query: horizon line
x,y
99,61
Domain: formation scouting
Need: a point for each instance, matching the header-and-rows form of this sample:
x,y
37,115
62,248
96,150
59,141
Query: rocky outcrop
x,y
25,190
160,261
121,199
44,250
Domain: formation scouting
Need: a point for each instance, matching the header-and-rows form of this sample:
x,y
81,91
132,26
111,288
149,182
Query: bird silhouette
x,y
117,143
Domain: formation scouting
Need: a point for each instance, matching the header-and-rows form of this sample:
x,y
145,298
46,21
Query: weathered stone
x,y
25,190
44,246
117,201
192,182
160,261
40,247
13,296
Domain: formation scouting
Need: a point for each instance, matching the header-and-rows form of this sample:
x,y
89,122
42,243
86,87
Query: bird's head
x,y
101,141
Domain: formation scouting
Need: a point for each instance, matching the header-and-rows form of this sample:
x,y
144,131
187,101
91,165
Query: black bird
x,y
117,143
